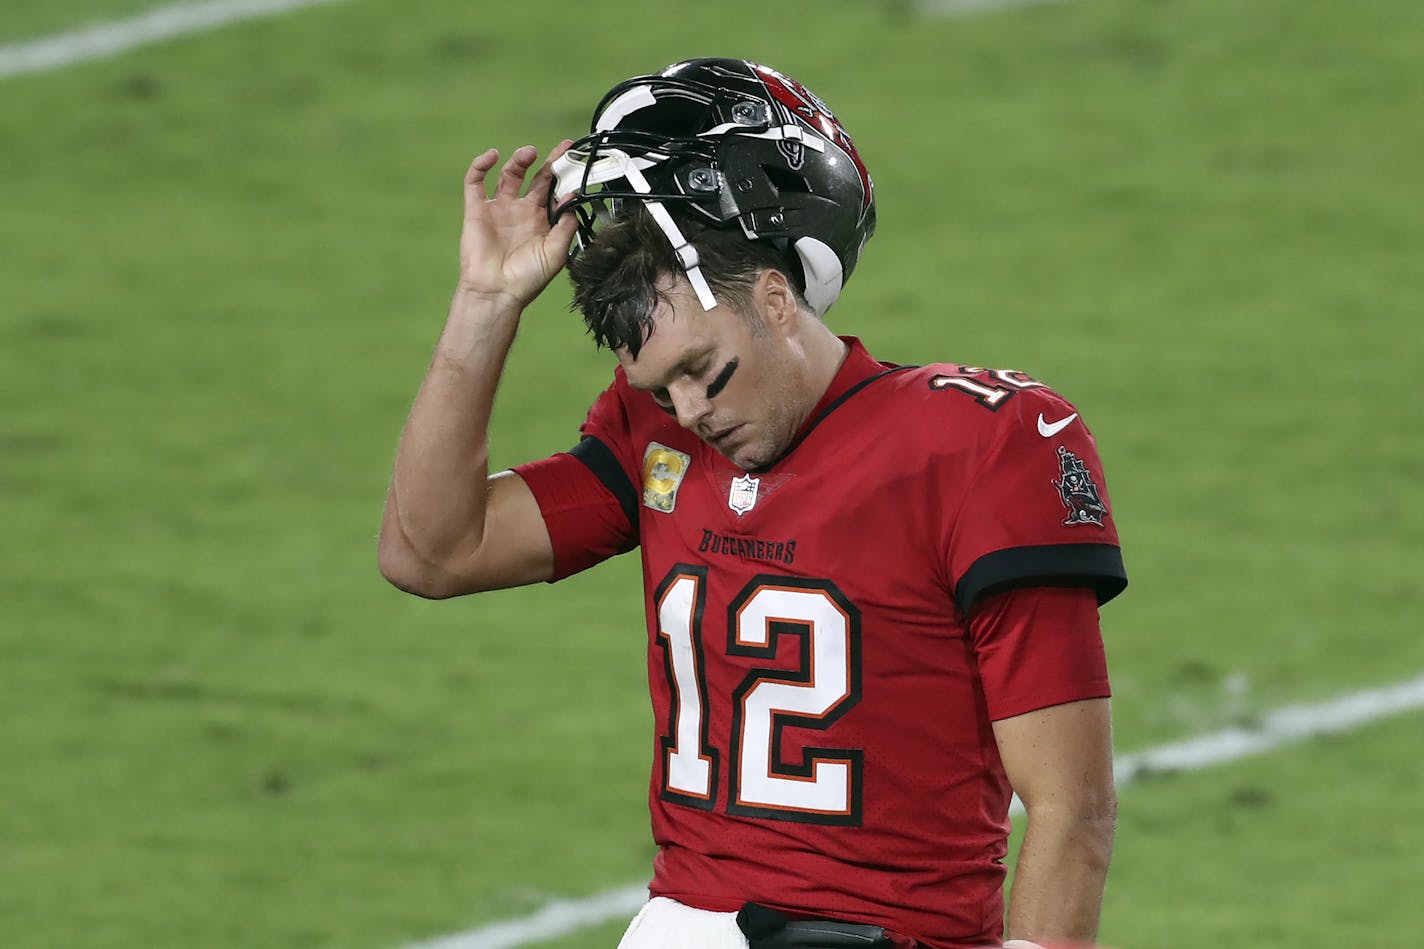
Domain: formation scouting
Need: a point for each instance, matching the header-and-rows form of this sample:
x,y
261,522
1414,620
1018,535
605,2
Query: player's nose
x,y
691,405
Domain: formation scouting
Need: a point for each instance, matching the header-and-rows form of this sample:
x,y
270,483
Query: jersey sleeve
x,y
1038,647
1035,508
586,494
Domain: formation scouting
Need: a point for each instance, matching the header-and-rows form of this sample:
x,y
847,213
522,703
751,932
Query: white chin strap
x,y
613,165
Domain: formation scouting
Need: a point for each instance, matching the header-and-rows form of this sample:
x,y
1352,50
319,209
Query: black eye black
x,y
722,379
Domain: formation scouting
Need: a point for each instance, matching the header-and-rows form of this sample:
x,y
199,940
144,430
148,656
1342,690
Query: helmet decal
x,y
806,104
638,97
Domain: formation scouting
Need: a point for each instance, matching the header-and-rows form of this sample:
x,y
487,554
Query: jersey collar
x,y
857,367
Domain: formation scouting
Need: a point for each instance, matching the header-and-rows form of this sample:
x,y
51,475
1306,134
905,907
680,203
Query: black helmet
x,y
731,143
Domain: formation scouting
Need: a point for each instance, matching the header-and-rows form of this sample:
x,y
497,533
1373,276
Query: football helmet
x,y
730,143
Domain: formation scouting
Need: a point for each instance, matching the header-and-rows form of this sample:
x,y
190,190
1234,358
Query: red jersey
x,y
822,690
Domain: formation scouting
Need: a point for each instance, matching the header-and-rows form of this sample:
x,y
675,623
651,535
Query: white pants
x,y
667,924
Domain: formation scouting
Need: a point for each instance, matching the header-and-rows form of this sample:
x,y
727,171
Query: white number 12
x,y
824,787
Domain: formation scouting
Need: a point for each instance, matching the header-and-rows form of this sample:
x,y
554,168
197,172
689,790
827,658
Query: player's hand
x,y
508,251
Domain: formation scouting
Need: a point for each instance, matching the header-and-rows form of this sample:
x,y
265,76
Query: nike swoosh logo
x,y
1049,429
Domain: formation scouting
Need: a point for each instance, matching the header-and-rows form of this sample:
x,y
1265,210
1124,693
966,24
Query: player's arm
x,y
1034,553
448,527
1059,760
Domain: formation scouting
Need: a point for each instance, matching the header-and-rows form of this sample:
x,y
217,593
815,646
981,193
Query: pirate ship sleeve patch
x,y
1078,491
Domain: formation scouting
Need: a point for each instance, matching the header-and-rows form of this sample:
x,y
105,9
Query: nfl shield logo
x,y
743,496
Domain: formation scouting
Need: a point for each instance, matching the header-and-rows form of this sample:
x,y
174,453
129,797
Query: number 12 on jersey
x,y
824,786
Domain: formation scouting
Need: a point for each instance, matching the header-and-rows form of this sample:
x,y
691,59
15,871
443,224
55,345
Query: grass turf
x,y
225,260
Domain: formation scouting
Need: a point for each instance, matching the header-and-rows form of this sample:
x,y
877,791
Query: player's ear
x,y
776,299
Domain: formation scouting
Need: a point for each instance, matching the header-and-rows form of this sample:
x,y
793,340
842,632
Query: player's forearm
x,y
436,504
1060,874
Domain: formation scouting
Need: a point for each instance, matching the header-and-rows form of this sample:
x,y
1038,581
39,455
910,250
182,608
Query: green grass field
x,y
224,260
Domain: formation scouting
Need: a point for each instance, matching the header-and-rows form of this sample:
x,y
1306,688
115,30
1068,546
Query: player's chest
x,y
854,512
689,485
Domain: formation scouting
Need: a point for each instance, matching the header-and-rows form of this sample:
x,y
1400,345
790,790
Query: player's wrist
x,y
497,301
475,308
479,330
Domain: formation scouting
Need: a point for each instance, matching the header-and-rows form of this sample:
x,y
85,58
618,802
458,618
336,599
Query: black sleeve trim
x,y
604,464
1098,566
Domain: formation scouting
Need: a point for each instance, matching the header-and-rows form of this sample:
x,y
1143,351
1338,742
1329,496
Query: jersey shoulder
x,y
974,400
1023,483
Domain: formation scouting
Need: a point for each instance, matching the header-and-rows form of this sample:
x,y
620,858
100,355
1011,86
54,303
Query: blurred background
x,y
224,261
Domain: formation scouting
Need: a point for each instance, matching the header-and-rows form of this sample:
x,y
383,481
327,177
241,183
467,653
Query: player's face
x,y
731,380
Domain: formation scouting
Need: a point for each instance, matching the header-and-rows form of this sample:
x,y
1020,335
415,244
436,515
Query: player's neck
x,y
825,354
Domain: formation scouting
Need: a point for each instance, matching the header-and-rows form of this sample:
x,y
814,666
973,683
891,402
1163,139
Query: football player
x,y
871,589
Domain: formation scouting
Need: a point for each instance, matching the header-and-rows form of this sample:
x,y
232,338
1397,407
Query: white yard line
x,y
559,918
965,7
118,36
1276,729
1284,726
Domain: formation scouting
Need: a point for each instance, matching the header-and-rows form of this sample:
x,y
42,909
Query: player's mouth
x,y
723,439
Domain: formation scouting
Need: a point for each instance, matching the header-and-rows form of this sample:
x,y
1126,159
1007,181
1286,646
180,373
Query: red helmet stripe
x,y
811,110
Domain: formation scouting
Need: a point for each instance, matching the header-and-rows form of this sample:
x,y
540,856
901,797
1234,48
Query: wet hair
x,y
616,278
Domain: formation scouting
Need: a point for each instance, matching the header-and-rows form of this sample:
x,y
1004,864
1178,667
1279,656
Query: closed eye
x,y
663,401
